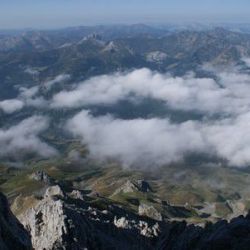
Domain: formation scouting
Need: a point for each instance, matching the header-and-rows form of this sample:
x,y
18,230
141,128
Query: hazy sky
x,y
59,13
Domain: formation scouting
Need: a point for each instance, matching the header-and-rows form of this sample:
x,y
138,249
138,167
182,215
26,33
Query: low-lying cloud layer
x,y
23,138
158,141
230,95
154,141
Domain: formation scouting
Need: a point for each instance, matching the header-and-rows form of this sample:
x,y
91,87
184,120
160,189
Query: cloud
x,y
28,92
29,97
11,105
23,138
152,141
230,95
246,60
109,89
158,141
57,79
31,71
230,139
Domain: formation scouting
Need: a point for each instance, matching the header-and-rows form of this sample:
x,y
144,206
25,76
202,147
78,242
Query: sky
x,y
65,13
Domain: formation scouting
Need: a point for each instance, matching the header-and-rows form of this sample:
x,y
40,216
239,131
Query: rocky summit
x,y
60,221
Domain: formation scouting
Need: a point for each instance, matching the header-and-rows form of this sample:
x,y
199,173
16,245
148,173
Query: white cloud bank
x,y
11,105
154,141
158,141
231,95
23,139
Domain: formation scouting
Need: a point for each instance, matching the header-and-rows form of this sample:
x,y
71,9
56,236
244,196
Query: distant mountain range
x,y
87,51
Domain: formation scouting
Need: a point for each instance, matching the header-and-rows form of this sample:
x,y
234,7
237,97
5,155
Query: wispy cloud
x,y
57,79
30,97
31,71
23,138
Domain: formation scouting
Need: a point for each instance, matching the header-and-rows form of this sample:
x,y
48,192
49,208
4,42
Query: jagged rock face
x,y
66,222
52,225
12,233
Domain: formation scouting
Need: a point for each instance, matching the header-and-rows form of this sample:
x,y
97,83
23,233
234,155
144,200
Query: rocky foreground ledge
x,y
64,220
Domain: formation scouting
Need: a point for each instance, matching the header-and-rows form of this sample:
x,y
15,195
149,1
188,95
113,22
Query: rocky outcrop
x,y
142,226
54,191
134,186
12,233
66,221
42,177
149,211
77,194
54,225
